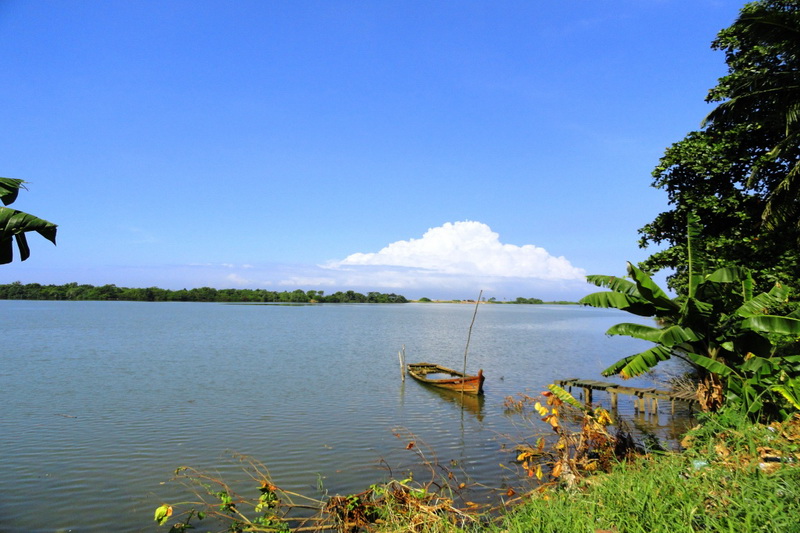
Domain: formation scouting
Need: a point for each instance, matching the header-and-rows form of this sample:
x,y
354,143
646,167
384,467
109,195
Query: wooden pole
x,y
469,334
402,355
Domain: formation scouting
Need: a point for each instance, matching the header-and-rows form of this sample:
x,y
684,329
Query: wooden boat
x,y
432,374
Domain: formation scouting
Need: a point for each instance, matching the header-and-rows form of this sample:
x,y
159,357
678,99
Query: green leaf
x,y
650,291
728,275
709,364
565,396
790,391
757,365
760,304
637,331
676,335
13,226
9,189
616,300
773,324
162,514
696,312
613,283
638,364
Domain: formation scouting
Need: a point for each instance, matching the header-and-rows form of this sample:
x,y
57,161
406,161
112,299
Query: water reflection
x,y
468,403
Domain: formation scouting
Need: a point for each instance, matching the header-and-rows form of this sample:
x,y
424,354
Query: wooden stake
x,y
402,355
470,335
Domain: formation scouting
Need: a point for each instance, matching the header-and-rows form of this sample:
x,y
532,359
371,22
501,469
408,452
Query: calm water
x,y
103,400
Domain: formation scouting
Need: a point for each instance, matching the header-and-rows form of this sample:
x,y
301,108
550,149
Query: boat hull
x,y
457,381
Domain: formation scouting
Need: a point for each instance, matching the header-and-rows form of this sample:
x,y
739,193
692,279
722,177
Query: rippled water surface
x,y
103,400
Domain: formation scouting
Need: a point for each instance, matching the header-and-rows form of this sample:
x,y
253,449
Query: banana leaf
x,y
677,335
638,364
759,366
728,275
13,226
650,291
671,336
614,283
9,189
709,364
637,331
616,300
790,391
760,304
565,396
773,324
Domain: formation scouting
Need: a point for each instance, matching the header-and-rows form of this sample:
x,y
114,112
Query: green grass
x,y
729,480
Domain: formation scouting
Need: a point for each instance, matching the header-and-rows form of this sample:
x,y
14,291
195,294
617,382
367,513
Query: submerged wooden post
x,y
402,355
469,335
613,400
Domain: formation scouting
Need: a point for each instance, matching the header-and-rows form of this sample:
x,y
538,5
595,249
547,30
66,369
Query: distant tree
x,y
521,300
15,224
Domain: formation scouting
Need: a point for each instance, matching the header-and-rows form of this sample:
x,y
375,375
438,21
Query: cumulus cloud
x,y
465,248
454,260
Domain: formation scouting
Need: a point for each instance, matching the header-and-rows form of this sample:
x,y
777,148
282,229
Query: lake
x,y
103,400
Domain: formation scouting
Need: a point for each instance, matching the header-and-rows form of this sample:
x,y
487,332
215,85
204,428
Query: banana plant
x,y
719,327
15,224
736,347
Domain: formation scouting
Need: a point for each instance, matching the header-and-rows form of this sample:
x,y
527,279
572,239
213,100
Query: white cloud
x,y
464,249
454,260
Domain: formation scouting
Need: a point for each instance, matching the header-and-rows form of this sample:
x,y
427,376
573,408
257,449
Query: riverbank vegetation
x,y
74,291
732,476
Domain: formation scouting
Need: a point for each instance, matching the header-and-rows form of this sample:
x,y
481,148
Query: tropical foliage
x,y
739,173
15,224
738,351
762,92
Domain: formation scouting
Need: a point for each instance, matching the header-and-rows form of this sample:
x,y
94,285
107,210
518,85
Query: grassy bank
x,y
733,477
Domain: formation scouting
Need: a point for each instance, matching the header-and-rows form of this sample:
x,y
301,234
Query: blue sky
x,y
424,148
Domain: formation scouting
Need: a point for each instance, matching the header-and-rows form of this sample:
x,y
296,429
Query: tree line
x,y
74,291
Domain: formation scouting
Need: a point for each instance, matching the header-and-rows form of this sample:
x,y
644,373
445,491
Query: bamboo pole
x,y
402,355
469,335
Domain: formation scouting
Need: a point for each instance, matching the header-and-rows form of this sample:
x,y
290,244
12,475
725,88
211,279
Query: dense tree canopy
x,y
74,291
738,173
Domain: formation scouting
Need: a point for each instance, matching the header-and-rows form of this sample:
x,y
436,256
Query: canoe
x,y
434,375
